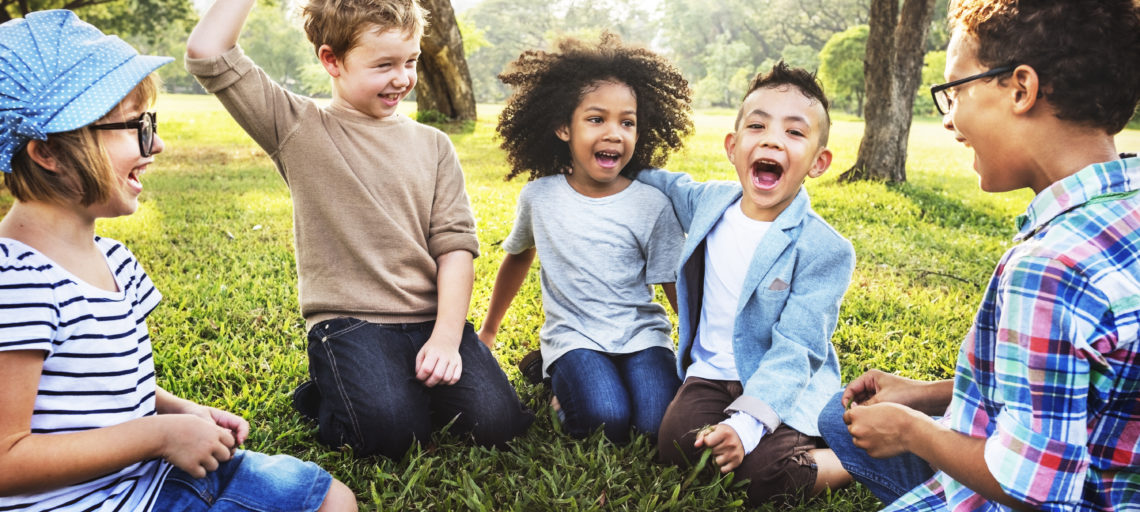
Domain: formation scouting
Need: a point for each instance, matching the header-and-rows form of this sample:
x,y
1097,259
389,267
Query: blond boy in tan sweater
x,y
385,235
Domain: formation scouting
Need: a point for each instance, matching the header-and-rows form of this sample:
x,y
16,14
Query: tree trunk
x,y
444,82
892,71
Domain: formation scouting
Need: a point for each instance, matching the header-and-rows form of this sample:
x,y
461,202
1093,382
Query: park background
x,y
214,230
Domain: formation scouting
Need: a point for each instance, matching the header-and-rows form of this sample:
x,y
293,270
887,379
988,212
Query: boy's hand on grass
x,y
196,445
439,362
727,450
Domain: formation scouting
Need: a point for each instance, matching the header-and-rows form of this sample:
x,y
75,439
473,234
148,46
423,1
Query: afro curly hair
x,y
549,85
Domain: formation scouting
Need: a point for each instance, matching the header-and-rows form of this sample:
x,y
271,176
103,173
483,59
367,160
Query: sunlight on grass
x,y
214,230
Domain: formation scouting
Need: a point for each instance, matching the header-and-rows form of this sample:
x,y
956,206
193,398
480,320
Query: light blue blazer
x,y
788,307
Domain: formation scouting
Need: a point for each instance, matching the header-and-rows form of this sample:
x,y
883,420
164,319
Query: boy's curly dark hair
x,y
1086,52
549,86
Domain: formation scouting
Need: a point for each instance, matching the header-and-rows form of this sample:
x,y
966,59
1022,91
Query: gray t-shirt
x,y
599,257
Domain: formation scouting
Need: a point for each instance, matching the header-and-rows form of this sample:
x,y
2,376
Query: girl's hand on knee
x,y
727,450
196,445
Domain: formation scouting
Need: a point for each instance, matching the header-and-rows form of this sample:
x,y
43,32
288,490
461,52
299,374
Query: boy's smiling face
x,y
981,118
376,74
775,146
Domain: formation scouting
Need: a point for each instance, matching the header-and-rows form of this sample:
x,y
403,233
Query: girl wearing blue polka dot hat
x,y
83,424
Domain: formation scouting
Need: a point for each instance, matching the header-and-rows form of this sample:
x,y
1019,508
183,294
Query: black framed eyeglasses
x,y
146,124
941,93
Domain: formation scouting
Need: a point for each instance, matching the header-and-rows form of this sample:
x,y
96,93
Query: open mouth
x,y
391,98
134,179
766,174
607,159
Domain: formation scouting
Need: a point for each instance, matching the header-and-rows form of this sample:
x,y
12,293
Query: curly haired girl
x,y
584,119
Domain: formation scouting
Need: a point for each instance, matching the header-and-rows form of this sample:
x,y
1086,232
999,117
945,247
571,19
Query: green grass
x,y
214,231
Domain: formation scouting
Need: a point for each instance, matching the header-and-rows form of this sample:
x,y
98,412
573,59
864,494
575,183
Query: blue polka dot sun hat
x,y
59,73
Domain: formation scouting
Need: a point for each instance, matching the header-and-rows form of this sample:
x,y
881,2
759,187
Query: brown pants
x,y
779,469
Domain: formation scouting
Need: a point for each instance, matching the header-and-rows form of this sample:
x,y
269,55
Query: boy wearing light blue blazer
x,y
761,280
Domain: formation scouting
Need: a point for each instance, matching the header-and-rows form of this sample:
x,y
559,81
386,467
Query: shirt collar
x,y
1101,179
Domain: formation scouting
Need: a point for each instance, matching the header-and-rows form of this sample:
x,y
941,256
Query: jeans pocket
x,y
336,327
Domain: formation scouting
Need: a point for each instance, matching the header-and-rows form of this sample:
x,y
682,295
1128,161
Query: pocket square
x,y
778,284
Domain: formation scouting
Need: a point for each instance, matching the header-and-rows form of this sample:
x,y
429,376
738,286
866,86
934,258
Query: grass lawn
x,y
215,232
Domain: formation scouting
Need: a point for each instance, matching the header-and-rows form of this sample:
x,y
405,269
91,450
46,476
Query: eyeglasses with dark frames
x,y
941,93
146,124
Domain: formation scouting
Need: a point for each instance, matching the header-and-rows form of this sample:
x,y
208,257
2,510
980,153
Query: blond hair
x,y
339,23
83,167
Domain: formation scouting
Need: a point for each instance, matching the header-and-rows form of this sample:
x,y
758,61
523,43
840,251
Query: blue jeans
x,y
250,482
369,397
619,391
886,478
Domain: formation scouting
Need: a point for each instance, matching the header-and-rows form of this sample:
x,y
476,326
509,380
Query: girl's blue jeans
x,y
249,482
887,479
618,392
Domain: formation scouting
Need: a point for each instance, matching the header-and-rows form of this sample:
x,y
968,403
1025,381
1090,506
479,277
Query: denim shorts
x,y
250,481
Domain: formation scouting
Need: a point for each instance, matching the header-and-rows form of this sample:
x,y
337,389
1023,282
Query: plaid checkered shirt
x,y
1049,374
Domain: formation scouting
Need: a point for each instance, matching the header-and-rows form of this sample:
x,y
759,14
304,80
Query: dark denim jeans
x,y
370,399
886,478
620,391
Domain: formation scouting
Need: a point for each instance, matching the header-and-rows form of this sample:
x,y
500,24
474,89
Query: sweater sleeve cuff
x,y
220,71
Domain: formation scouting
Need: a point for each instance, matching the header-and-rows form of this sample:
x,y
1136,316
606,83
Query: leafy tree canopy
x,y
147,19
841,68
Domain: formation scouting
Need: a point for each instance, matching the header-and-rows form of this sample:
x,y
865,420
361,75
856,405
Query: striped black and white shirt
x,y
98,367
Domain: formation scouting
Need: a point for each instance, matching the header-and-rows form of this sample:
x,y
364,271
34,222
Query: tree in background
x,y
896,43
132,17
841,68
273,38
695,31
444,81
933,65
508,27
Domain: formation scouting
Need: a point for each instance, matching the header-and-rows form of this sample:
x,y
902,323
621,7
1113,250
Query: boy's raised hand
x,y
727,450
196,445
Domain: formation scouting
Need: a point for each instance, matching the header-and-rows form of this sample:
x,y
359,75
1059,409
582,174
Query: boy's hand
x,y
876,386
196,445
439,362
881,429
728,453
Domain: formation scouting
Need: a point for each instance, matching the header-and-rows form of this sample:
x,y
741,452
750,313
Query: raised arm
x,y
512,273
219,28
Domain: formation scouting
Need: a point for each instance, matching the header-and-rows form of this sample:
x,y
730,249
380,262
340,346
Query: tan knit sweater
x,y
375,201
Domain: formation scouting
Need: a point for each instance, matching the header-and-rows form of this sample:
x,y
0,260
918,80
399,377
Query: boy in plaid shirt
x,y
1044,408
